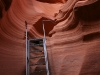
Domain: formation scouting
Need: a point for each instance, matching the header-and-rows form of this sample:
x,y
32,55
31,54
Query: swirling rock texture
x,y
12,31
73,44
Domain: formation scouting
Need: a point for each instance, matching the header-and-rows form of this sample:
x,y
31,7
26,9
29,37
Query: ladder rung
x,y
39,71
36,44
36,51
37,57
37,64
38,39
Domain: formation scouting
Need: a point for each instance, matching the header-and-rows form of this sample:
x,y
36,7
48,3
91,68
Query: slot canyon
x,y
72,38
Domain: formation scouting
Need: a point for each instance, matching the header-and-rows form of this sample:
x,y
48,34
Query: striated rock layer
x,y
12,32
72,40
75,39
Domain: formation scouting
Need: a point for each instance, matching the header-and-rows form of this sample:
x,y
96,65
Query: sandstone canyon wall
x,y
73,40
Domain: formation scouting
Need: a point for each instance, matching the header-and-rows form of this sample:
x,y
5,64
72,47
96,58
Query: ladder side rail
x,y
45,51
28,58
26,49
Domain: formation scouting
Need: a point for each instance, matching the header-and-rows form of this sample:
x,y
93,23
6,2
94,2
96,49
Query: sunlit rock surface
x,y
73,40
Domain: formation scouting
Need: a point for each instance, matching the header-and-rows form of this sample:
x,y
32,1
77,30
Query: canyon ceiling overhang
x,y
73,40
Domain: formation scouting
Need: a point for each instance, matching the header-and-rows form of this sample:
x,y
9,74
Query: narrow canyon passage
x,y
73,38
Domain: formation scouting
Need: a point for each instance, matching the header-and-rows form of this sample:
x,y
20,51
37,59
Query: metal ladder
x,y
37,52
36,55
